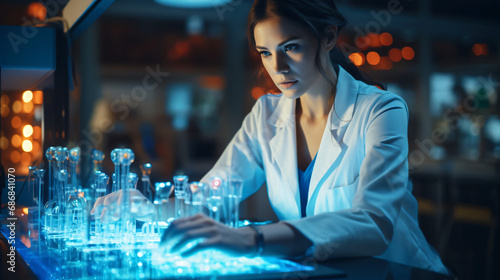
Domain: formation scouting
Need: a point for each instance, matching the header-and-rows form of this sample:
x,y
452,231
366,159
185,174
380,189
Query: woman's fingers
x,y
191,236
140,206
97,206
145,211
109,215
210,243
178,227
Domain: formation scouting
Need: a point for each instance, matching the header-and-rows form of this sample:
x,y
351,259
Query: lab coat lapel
x,y
332,145
284,151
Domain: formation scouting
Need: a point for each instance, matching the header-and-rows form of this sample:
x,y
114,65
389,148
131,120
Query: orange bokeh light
x,y
374,40
36,147
213,82
361,43
385,63
4,99
27,130
386,39
28,107
395,55
373,58
480,49
37,132
180,50
257,92
477,49
4,143
25,158
357,58
27,146
16,122
408,53
15,140
37,10
17,106
15,156
4,111
27,96
38,97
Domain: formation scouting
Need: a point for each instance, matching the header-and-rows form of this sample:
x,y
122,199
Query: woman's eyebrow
x,y
282,43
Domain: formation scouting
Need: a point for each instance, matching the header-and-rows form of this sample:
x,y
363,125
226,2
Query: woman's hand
x,y
213,235
108,207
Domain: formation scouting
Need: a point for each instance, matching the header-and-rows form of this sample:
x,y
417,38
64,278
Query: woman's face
x,y
288,54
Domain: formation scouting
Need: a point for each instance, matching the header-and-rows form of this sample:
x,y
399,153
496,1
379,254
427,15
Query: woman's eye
x,y
291,47
265,53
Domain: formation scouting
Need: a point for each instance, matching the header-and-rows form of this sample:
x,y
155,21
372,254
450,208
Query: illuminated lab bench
x,y
142,259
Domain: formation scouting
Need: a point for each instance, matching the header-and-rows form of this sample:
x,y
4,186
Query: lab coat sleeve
x,y
366,229
242,158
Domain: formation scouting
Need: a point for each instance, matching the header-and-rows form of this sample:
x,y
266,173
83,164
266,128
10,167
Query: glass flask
x,y
51,208
147,188
74,162
75,216
194,198
232,197
213,197
180,182
163,192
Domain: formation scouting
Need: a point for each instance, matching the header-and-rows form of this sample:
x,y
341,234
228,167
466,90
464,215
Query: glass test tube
x,y
74,160
147,188
50,155
163,192
62,179
39,174
123,158
180,182
132,180
100,191
61,157
196,197
32,185
232,196
213,197
97,158
51,204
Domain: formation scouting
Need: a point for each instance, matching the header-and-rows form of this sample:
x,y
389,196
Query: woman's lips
x,y
287,84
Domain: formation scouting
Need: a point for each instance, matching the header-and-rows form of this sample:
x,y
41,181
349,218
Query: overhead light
x,y
193,3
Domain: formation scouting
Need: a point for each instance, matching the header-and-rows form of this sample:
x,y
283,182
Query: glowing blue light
x,y
193,3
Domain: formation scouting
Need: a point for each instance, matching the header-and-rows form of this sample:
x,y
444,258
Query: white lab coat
x,y
359,201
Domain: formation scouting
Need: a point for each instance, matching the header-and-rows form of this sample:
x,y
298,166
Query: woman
x,y
332,149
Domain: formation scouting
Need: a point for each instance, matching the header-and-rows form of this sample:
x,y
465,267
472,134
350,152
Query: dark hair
x,y
314,16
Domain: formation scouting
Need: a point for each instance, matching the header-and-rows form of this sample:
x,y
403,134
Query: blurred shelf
x,y
127,71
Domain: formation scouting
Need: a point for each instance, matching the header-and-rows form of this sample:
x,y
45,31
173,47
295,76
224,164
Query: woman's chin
x,y
291,94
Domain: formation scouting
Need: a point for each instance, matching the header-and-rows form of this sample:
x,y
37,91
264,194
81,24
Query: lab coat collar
x,y
284,150
345,100
284,113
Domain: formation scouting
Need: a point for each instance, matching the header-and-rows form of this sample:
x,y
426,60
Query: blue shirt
x,y
304,180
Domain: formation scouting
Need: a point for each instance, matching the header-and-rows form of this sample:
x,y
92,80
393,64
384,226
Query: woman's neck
x,y
316,104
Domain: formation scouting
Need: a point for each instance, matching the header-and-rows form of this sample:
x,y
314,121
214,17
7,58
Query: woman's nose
x,y
280,64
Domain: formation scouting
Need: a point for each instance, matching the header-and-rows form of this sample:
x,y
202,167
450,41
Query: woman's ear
x,y
330,37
